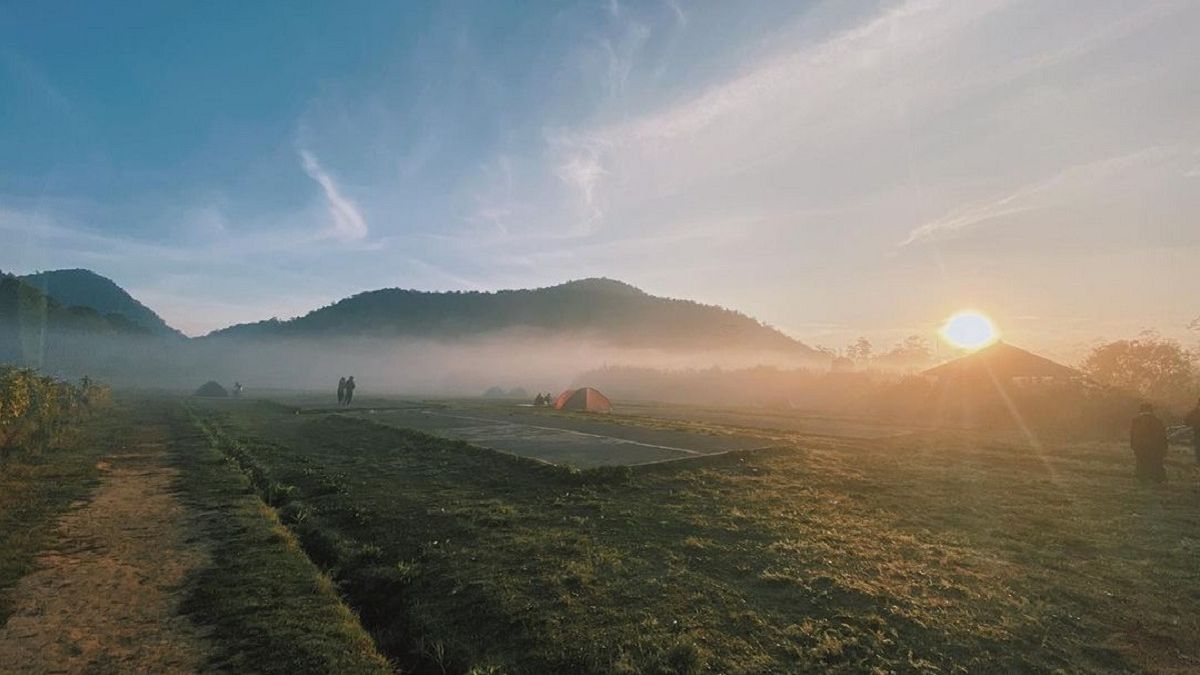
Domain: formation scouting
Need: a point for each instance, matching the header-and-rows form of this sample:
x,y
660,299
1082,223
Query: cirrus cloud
x,y
348,222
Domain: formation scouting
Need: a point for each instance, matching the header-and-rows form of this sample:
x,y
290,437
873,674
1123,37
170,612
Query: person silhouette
x,y
341,391
1148,440
1193,421
350,389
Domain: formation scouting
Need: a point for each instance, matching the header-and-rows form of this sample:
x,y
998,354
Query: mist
x,y
508,359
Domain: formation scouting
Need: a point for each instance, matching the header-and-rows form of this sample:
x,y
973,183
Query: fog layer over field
x,y
468,367
511,359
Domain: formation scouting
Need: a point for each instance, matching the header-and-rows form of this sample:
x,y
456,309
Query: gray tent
x,y
211,389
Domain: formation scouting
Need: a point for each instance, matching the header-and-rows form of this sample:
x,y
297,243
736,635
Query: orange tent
x,y
586,399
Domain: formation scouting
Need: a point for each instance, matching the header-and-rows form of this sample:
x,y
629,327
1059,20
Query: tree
x,y
860,350
827,351
916,347
1150,366
913,352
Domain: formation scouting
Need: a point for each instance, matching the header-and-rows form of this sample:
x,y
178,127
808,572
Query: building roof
x,y
1002,361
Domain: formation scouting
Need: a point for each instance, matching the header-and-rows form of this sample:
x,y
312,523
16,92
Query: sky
x,y
834,168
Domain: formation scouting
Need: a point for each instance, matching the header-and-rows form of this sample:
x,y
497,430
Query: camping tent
x,y
585,398
211,389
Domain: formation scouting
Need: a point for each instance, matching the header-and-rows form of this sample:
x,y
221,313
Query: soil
x,y
105,599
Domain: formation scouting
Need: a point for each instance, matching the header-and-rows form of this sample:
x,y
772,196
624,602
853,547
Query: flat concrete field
x,y
576,439
583,440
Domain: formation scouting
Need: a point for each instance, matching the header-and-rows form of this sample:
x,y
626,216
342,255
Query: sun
x,y
969,329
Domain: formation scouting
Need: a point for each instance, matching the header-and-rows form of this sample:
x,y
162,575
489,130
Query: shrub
x,y
35,410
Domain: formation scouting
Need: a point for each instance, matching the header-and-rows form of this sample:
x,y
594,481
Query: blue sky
x,y
833,168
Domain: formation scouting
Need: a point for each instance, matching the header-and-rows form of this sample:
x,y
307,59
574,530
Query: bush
x,y
35,410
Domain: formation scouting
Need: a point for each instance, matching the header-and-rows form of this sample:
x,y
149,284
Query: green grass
x,y
269,609
35,489
932,552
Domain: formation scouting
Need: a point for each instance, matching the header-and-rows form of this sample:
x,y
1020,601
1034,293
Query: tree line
x,y
1157,369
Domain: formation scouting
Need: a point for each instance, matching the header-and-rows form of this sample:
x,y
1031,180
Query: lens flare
x,y
969,330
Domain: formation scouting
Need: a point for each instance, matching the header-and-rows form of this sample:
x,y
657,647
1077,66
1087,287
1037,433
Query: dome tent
x,y
585,399
211,389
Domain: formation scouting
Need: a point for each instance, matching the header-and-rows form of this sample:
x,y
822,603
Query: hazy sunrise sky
x,y
832,168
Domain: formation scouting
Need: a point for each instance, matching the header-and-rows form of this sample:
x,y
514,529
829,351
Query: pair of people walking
x,y
345,392
1149,441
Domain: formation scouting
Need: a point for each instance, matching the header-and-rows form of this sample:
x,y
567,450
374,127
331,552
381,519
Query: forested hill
x,y
84,288
608,311
33,325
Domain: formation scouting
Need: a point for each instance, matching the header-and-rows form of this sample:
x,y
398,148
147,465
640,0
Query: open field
x,y
562,438
928,552
135,546
635,433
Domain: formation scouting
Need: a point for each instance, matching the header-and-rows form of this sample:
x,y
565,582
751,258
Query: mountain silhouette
x,y
84,288
34,325
604,310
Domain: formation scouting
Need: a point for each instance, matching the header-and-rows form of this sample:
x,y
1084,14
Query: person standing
x,y
341,391
350,389
1193,421
1148,439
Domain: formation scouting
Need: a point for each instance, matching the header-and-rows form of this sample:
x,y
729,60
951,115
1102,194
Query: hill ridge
x,y
79,287
610,310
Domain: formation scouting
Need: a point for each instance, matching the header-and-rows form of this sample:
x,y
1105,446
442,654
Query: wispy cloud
x,y
348,222
582,171
680,15
776,107
1035,195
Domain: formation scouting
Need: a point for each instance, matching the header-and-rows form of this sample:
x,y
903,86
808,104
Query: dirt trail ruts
x,y
105,599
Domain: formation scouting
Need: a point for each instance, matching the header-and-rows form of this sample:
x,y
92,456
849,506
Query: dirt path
x,y
104,600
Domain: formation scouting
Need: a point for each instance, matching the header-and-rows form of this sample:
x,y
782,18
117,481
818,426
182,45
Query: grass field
x,y
928,552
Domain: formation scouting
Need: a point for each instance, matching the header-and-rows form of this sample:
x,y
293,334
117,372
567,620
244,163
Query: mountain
x,y
34,325
84,288
605,310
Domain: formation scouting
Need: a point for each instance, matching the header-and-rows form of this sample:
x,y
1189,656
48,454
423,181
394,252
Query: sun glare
x,y
969,330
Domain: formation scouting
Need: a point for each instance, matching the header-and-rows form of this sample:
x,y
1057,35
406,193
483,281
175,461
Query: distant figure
x,y
341,391
350,389
237,389
1148,438
539,401
1193,421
